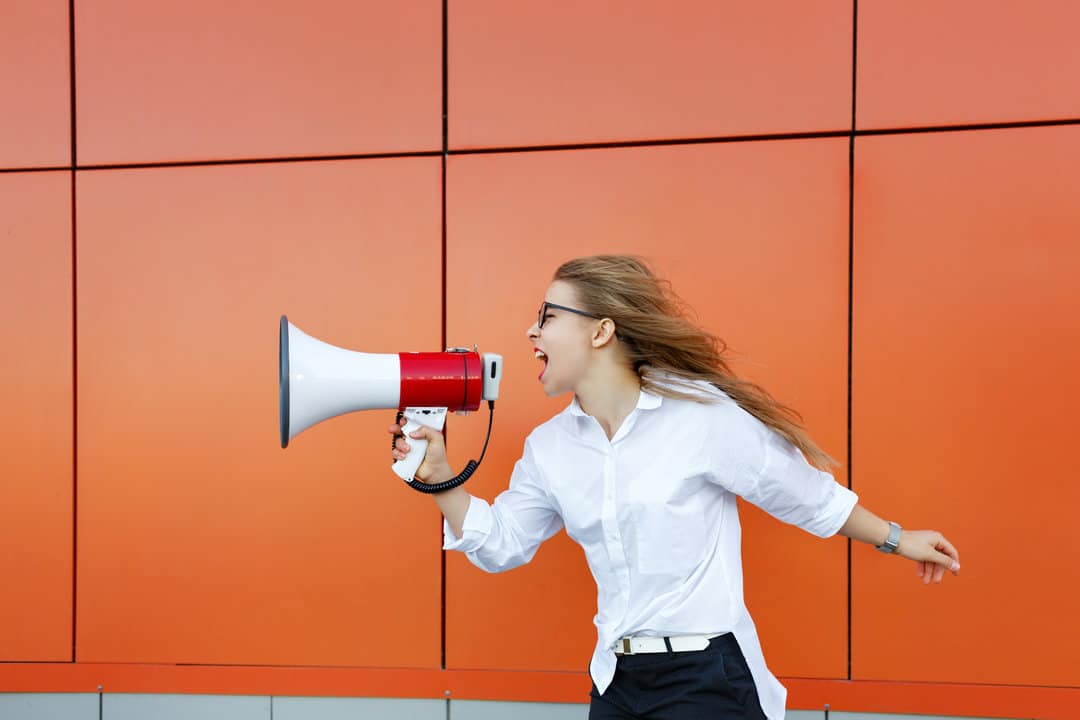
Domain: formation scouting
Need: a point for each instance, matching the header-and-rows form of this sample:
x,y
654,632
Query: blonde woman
x,y
642,468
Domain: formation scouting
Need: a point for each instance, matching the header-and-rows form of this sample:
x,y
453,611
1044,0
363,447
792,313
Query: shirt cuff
x,y
475,528
835,513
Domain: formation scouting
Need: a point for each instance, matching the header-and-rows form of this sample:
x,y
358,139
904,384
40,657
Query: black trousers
x,y
697,685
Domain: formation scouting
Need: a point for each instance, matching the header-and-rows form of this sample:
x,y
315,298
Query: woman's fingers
x,y
932,553
933,570
936,571
945,562
423,432
401,447
945,555
947,547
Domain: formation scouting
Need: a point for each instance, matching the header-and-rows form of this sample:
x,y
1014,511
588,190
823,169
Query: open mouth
x,y
540,355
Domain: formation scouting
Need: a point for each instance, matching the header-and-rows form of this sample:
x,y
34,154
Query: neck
x,y
610,399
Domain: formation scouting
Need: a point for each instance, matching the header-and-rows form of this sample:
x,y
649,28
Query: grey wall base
x,y
114,706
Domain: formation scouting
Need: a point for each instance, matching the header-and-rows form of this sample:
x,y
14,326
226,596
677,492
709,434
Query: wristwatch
x,y
893,541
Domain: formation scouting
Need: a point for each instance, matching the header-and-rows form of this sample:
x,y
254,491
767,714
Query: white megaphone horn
x,y
319,381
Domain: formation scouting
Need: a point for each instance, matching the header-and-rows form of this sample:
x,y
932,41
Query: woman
x,y
642,469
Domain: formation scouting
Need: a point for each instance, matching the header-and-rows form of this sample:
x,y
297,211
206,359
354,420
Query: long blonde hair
x,y
651,323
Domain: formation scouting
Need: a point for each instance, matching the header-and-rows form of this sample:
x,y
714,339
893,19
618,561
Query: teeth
x,y
540,355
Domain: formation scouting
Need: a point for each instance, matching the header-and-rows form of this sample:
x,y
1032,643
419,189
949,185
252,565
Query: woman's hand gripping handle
x,y
435,468
419,449
409,456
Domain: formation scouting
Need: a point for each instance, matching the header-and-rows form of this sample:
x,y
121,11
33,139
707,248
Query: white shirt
x,y
654,509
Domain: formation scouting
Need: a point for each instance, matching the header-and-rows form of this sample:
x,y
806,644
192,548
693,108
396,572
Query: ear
x,y
604,333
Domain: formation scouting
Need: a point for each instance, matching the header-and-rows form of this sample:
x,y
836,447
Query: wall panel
x,y
200,539
199,80
35,125
570,72
929,63
36,479
754,237
966,343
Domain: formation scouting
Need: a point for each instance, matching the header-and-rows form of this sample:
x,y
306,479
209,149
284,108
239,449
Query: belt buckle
x,y
626,646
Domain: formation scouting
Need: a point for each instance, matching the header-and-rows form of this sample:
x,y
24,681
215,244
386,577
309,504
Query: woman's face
x,y
563,345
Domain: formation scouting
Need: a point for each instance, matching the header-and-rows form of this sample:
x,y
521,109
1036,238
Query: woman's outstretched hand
x,y
932,553
435,468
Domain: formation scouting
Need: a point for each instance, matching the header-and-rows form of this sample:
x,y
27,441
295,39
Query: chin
x,y
551,390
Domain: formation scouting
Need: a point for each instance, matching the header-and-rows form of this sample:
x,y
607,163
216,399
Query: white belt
x,y
679,643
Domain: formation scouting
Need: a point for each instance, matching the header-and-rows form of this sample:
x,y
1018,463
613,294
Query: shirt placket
x,y
612,536
610,517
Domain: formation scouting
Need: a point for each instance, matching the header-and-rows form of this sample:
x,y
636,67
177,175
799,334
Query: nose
x,y
533,332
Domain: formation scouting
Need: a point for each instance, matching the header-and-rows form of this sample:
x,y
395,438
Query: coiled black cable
x,y
461,477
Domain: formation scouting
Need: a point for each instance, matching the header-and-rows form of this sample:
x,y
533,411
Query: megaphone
x,y
319,381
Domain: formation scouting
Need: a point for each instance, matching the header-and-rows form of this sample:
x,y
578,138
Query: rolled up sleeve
x,y
475,528
507,533
766,469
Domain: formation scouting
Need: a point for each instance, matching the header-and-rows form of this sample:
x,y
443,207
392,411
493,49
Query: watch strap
x,y
892,542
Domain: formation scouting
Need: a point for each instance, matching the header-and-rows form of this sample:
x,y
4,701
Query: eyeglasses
x,y
545,306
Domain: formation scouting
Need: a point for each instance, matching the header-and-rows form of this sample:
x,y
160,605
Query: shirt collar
x,y
646,401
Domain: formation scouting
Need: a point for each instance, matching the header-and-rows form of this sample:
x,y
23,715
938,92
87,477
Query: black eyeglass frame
x,y
544,306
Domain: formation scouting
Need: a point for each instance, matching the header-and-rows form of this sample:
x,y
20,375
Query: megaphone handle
x,y
434,418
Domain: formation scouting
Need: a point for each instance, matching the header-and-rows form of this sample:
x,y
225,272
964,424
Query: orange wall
x,y
227,549
227,171
36,490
